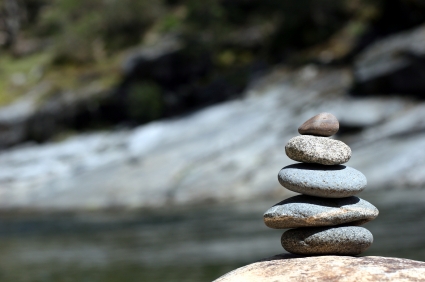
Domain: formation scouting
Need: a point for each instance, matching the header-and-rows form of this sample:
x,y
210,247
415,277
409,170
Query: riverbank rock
x,y
320,150
322,181
287,267
178,160
392,65
304,211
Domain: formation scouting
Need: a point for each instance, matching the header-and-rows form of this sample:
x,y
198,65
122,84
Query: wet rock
x,y
307,211
322,181
323,124
342,240
320,150
287,267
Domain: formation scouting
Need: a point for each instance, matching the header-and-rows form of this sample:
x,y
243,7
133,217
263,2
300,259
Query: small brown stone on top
x,y
323,124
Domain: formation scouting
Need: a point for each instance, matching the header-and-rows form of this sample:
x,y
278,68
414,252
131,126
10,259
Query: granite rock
x,y
340,240
287,267
323,124
336,181
321,150
307,211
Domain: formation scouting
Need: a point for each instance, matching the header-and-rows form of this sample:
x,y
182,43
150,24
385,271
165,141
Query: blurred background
x,y
141,140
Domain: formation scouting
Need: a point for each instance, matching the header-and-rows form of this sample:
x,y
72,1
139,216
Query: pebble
x,y
321,150
346,240
323,124
308,211
330,181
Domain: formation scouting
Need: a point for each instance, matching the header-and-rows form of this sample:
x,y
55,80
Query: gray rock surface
x,y
341,240
178,161
286,267
384,55
307,211
320,150
322,181
392,65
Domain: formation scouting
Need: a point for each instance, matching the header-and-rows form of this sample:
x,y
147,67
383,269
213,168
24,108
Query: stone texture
x,y
307,211
393,64
287,267
323,124
322,180
321,150
235,140
340,240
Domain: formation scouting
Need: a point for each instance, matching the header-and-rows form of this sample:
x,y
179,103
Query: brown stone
x,y
323,124
288,267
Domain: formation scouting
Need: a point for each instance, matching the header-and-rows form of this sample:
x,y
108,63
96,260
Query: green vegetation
x,y
19,75
145,101
72,43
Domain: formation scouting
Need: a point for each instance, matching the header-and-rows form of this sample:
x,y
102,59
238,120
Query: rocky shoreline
x,y
177,161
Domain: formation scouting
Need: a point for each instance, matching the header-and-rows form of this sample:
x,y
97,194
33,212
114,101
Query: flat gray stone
x,y
343,240
308,211
320,150
336,181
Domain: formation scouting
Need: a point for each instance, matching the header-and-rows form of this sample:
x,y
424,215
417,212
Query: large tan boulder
x,y
328,268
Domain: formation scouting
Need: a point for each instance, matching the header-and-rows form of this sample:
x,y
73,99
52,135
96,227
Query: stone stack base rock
x,y
327,216
289,268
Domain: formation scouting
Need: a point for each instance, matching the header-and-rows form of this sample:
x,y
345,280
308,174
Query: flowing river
x,y
177,244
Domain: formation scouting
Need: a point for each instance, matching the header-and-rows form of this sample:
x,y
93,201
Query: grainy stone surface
x,y
321,150
339,240
323,124
322,180
288,267
308,211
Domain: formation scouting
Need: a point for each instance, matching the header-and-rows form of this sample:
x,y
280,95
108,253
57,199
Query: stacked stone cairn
x,y
326,217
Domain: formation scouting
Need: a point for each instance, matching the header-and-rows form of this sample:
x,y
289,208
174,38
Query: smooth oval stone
x,y
321,150
323,124
342,240
329,181
308,211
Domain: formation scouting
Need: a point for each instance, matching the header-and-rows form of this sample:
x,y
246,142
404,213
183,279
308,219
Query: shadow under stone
x,y
307,166
326,202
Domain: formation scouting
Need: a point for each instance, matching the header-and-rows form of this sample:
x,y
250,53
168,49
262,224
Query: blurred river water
x,y
197,243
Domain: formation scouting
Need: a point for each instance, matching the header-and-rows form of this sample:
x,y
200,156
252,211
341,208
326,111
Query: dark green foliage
x,y
80,28
144,101
224,44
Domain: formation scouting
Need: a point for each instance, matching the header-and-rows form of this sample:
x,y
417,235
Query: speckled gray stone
x,y
308,211
330,181
314,149
342,240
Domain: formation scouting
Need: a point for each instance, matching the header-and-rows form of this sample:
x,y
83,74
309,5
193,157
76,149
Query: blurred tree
x,y
82,28
12,14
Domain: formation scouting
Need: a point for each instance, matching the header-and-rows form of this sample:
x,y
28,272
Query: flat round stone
x,y
321,150
343,240
323,124
330,181
308,211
